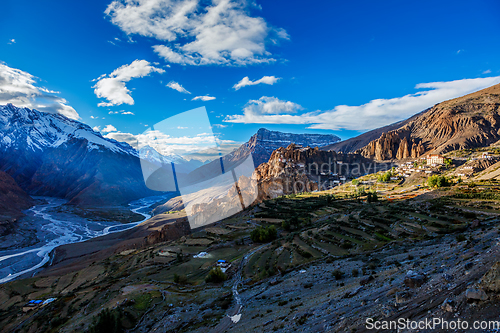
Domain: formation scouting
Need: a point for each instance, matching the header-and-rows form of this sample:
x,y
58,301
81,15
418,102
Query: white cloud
x,y
92,117
247,82
120,112
12,41
488,71
265,108
112,87
19,88
199,33
176,86
109,128
165,144
203,98
376,113
219,125
96,128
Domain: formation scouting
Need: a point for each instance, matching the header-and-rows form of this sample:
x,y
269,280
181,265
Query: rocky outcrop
x,y
296,169
170,231
394,145
491,280
261,145
414,279
476,294
293,169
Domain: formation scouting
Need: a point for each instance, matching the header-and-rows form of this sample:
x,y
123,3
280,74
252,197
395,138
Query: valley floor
x,y
337,261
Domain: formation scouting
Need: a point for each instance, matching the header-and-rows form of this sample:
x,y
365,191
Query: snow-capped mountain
x,y
49,154
37,131
149,154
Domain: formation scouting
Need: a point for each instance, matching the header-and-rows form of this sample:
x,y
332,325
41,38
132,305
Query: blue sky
x,y
335,66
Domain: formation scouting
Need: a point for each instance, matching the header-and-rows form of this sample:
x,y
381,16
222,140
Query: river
x,y
53,227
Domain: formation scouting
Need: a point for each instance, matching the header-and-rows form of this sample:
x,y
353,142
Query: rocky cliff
x,y
263,143
293,169
297,169
353,144
170,231
467,122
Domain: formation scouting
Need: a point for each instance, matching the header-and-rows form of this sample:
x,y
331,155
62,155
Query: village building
x,y
486,155
435,159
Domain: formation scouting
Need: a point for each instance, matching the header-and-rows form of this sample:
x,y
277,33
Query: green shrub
x,y
438,181
216,275
264,234
372,196
385,177
302,319
181,279
347,245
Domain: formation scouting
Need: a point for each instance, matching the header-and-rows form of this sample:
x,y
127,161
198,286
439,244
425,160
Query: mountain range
x,y
51,155
262,144
466,122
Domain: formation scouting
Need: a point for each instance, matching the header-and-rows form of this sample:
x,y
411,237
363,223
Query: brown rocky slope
x,y
466,122
13,200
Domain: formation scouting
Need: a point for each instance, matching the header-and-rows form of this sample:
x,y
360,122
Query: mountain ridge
x,y
261,153
51,155
13,200
465,122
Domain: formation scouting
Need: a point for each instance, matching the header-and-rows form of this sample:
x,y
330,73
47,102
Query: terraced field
x,y
312,229
330,228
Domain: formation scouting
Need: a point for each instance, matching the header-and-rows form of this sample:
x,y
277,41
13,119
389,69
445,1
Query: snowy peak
x,y
150,154
30,129
51,155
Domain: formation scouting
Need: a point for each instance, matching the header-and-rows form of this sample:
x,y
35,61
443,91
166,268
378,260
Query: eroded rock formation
x,y
467,122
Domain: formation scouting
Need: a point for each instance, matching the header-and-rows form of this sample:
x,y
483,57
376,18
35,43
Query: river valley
x,y
49,224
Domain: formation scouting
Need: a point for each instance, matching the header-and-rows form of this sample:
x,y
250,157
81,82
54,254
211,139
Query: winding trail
x,y
55,229
233,316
